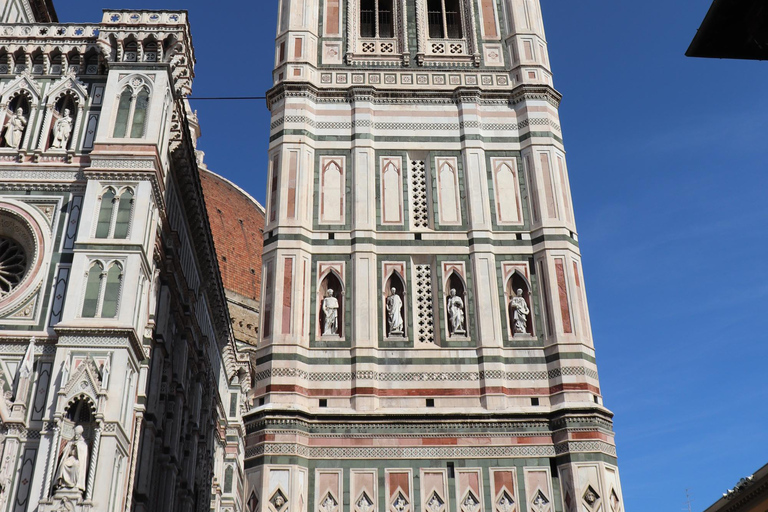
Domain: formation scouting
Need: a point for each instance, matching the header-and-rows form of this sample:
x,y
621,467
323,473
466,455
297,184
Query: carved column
x,y
52,458
94,461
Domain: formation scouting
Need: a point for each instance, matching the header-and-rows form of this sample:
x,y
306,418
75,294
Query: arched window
x,y
331,310
73,60
130,52
92,290
520,312
112,291
123,112
104,223
20,60
38,63
444,18
132,111
140,114
123,219
229,475
115,213
102,291
377,18
150,51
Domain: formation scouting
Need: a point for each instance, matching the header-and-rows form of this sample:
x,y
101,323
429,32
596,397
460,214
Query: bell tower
x,y
425,338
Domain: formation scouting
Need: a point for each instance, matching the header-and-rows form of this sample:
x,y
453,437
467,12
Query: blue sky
x,y
667,158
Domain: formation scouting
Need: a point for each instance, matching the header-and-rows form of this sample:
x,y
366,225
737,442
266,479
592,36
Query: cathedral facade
x,y
425,336
123,379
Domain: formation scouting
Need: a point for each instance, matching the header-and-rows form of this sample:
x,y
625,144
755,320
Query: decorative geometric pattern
x,y
296,373
470,503
425,328
278,500
394,452
419,194
591,497
364,503
505,503
399,504
540,502
586,446
329,504
13,265
435,503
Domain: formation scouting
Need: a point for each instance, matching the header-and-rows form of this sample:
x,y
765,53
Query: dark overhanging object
x,y
733,29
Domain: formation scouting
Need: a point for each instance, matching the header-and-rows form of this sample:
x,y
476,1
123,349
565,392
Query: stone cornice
x,y
411,96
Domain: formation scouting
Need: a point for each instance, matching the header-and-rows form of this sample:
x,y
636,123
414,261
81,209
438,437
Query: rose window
x,y
13,265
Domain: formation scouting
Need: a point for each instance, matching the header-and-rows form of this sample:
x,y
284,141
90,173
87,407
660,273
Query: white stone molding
x,y
29,227
402,453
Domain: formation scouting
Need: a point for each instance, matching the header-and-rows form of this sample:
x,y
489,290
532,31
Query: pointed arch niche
x,y
67,94
394,279
22,93
516,278
330,280
456,311
507,191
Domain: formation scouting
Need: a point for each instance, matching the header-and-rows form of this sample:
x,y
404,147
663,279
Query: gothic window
x,y
102,290
229,475
112,291
132,110
38,63
130,51
92,290
20,60
444,19
115,212
377,19
73,60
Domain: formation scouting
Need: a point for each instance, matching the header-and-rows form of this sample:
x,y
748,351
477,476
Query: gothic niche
x,y
455,306
16,120
394,306
519,304
331,306
71,477
63,123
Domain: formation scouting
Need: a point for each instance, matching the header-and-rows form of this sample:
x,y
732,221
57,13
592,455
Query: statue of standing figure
x,y
14,128
62,129
520,312
395,313
456,313
331,312
72,472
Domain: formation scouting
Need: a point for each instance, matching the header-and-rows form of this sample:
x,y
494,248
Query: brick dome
x,y
237,224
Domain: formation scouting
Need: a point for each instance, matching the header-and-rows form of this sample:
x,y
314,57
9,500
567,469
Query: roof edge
x,y
236,187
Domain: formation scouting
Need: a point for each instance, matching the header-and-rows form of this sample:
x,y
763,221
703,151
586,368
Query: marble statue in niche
x,y
62,130
456,314
395,313
72,472
520,312
14,128
331,313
